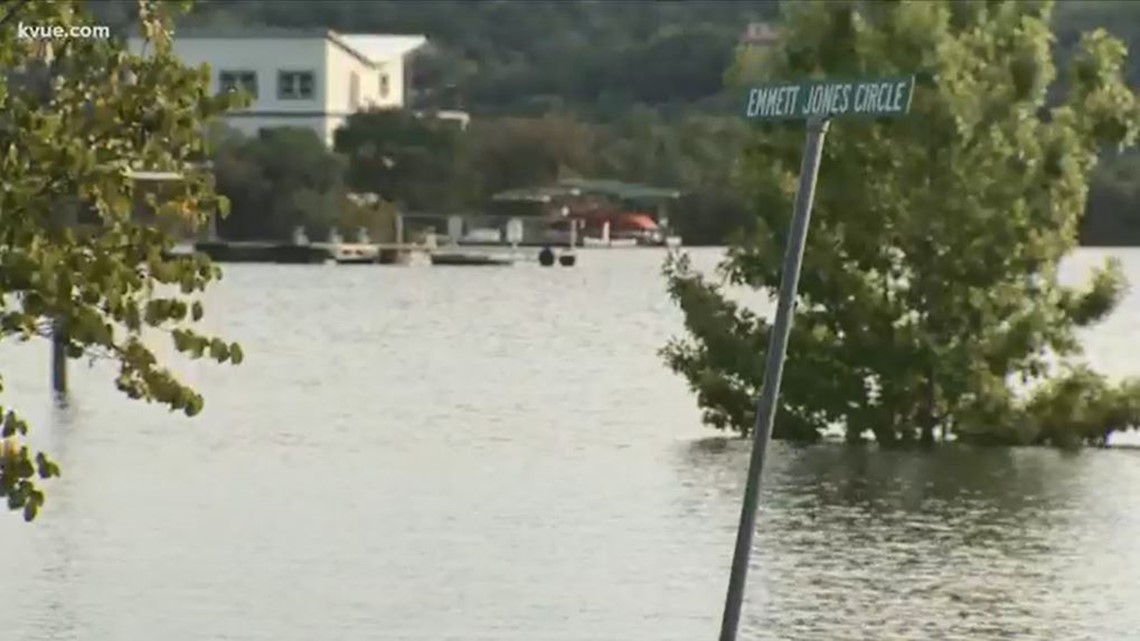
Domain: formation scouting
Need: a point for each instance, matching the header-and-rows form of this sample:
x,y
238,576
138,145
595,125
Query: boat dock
x,y
309,253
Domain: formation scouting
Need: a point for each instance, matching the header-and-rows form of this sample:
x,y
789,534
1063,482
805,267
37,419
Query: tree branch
x,y
13,11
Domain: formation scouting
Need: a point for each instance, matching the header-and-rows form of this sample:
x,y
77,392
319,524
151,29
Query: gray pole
x,y
777,350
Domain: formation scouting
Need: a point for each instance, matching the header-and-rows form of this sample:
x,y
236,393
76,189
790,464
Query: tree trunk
x,y
930,417
885,434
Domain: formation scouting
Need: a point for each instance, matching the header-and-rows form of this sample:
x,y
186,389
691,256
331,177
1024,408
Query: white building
x,y
307,78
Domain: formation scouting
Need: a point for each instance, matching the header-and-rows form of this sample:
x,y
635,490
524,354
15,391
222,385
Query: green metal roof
x,y
617,189
577,186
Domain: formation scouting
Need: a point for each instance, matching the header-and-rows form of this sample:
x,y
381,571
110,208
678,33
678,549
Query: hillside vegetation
x,y
633,74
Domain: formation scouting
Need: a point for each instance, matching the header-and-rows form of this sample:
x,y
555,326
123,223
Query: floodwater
x,y
498,454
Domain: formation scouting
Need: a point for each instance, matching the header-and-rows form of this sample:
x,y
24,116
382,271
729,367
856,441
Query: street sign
x,y
872,98
817,102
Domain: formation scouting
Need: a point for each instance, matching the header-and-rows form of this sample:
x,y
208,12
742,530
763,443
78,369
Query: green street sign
x,y
877,98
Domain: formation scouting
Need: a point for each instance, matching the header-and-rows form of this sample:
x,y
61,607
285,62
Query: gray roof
x,y
277,33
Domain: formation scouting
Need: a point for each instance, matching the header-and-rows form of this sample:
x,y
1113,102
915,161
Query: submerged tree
x,y
929,298
79,115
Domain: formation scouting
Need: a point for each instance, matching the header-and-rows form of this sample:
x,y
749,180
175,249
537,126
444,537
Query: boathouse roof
x,y
582,186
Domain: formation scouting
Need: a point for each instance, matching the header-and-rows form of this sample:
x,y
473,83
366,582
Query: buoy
x,y
546,257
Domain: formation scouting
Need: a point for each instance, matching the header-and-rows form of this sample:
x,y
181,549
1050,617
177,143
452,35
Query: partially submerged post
x,y
73,215
815,102
64,216
58,359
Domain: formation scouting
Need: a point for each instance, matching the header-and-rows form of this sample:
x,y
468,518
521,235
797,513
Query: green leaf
x,y
194,405
219,351
45,468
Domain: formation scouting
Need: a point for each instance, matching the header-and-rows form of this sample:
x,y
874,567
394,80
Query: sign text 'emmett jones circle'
x,y
878,98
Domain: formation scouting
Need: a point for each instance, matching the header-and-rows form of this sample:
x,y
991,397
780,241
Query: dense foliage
x,y
649,76
929,296
288,172
76,117
1116,189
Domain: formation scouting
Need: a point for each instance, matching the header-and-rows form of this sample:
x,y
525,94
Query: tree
x,y
77,116
929,300
1114,202
281,179
696,154
407,159
509,153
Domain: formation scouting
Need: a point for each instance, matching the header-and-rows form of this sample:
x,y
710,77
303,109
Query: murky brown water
x,y
429,454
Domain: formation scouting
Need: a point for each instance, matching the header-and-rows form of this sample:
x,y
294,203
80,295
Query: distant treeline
x,y
644,70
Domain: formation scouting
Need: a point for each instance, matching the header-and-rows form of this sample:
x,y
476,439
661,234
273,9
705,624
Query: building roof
x,y
582,186
617,189
381,48
371,49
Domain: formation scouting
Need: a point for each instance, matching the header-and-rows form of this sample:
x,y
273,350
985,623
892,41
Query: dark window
x,y
295,85
238,81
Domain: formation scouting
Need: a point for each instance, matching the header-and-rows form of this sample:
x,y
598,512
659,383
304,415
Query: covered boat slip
x,y
608,213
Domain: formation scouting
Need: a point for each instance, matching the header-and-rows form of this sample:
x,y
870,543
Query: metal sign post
x,y
816,102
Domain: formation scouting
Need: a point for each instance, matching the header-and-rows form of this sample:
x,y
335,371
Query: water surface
x,y
454,453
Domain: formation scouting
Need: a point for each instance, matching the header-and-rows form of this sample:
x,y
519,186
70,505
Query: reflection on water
x,y
428,453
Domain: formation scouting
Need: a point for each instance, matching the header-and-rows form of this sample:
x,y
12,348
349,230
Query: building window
x,y
354,91
295,85
238,81
385,85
